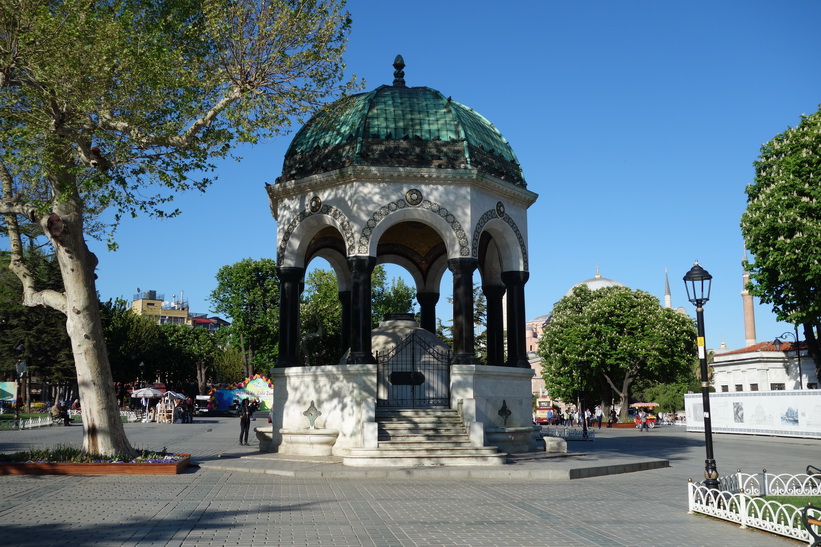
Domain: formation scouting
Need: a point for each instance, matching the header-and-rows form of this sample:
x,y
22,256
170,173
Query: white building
x,y
761,368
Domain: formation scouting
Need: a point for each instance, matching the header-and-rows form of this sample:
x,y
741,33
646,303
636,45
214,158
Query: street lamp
x,y
697,283
778,343
142,373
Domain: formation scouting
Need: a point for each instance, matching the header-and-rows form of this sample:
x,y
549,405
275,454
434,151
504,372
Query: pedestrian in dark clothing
x,y
244,422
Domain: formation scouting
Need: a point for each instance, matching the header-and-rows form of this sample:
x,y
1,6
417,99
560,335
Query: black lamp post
x,y
697,282
142,374
777,343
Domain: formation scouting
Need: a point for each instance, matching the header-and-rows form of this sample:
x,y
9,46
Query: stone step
x,y
421,428
360,457
425,443
411,437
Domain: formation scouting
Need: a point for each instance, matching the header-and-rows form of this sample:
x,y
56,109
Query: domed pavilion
x,y
408,176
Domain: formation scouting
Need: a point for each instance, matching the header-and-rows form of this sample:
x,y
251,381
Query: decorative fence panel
x,y
737,501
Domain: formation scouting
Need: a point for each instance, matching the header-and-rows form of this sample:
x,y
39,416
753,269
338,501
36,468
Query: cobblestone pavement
x,y
211,506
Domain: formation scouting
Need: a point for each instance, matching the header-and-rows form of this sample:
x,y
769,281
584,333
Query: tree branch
x,y
11,208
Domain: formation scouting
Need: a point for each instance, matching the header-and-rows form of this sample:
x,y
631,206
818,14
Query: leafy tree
x,y
397,297
606,340
125,103
187,354
782,228
131,339
248,293
34,336
228,365
321,311
321,319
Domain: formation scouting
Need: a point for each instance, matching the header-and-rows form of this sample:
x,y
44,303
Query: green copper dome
x,y
400,126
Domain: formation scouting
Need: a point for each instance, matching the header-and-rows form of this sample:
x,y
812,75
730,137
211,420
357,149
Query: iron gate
x,y
414,374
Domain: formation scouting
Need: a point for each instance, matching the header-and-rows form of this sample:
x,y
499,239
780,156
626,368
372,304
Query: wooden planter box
x,y
173,468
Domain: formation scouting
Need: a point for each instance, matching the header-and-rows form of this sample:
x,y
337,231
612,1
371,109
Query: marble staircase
x,y
422,437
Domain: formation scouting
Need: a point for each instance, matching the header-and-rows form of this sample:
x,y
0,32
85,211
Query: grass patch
x,y
71,454
798,501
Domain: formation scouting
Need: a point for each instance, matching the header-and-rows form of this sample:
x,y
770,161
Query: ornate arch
x,y
498,213
383,212
339,218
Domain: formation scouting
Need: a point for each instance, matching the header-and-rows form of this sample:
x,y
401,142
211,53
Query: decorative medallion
x,y
315,204
414,197
500,209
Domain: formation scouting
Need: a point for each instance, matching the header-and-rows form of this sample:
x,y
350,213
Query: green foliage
x,y
782,228
248,293
670,396
321,318
606,340
228,366
72,454
321,312
397,297
131,339
782,223
40,331
146,95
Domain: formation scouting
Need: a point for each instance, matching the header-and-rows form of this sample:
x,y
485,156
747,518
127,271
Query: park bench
x,y
812,523
813,471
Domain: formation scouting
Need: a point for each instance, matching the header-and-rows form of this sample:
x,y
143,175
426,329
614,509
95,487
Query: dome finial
x,y
399,74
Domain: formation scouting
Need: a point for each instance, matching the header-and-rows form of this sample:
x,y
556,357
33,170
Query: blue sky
x,y
636,122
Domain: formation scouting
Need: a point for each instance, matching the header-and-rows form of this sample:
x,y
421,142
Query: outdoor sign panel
x,y
793,413
8,391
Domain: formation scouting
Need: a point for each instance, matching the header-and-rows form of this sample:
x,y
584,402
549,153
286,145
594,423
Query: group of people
x,y
59,413
168,410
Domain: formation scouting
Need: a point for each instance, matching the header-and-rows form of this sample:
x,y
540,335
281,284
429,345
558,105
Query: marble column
x,y
516,339
345,301
464,351
290,283
361,268
495,324
427,305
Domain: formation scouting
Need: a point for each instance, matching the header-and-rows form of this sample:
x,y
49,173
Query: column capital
x,y
462,265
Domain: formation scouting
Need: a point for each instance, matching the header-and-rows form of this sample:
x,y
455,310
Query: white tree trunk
x,y
103,431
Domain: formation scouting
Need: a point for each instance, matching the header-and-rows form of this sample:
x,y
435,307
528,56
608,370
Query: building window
x,y
777,387
725,389
753,387
739,387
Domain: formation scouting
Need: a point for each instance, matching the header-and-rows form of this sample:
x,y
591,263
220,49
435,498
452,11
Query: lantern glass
x,y
698,282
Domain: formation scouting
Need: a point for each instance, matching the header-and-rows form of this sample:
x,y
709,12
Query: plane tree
x,y
118,105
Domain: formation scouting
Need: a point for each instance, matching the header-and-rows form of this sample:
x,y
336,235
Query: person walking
x,y
244,422
643,419
598,415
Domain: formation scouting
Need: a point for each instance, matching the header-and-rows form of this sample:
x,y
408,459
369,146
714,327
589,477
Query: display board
x,y
789,413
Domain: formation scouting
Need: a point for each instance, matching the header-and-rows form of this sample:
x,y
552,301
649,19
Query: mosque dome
x,y
400,126
596,282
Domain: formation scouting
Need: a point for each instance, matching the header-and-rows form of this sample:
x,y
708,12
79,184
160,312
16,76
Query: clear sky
x,y
636,122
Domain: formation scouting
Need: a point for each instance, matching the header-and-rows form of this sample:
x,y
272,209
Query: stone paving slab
x,y
209,506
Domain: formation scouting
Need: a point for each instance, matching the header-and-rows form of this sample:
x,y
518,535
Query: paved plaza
x,y
236,496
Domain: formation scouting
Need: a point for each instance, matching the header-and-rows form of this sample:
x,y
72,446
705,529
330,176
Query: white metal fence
x,y
735,501
569,434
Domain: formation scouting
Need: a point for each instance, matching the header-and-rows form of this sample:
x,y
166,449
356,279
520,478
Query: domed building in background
x,y
408,176
535,327
596,282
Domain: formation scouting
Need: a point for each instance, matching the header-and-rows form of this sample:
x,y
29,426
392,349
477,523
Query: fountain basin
x,y
308,442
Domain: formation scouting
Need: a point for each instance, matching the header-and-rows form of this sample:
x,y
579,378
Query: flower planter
x,y
171,468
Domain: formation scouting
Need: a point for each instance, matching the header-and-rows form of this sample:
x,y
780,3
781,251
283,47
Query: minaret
x,y
668,298
749,311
